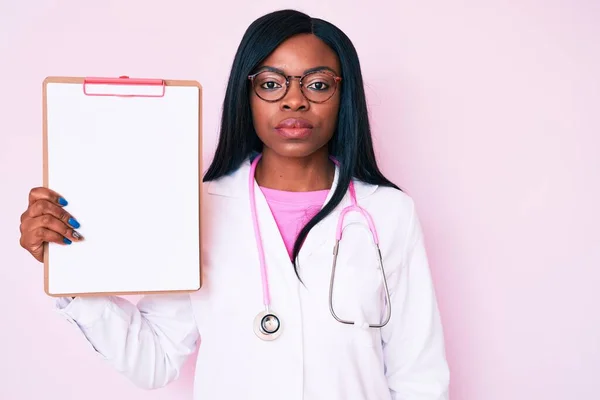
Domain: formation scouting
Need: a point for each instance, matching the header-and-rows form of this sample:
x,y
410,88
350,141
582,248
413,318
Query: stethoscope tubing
x,y
339,231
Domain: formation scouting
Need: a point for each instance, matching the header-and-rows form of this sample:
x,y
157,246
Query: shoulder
x,y
231,185
394,214
392,202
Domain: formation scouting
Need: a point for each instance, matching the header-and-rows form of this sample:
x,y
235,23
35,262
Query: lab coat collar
x,y
236,184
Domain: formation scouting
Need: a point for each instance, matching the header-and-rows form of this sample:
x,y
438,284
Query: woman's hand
x,y
46,220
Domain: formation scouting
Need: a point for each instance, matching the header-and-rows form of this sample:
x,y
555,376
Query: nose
x,y
294,99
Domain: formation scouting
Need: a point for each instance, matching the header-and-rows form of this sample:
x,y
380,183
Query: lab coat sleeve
x,y
414,348
147,342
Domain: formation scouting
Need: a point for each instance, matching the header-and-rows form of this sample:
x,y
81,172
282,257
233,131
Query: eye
x,y
270,85
318,86
319,82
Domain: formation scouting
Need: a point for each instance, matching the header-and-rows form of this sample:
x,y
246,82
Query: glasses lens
x,y
318,86
269,85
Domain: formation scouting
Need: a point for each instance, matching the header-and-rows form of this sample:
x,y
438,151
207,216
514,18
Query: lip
x,y
294,123
294,128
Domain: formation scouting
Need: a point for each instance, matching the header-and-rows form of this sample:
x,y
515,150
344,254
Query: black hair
x,y
351,143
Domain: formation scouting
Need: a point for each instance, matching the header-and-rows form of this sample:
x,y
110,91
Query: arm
x,y
148,343
414,347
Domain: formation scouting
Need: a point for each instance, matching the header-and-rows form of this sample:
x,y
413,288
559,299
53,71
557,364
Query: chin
x,y
296,150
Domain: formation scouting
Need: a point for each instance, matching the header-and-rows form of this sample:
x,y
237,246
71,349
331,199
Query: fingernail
x,y
67,241
73,222
62,201
77,235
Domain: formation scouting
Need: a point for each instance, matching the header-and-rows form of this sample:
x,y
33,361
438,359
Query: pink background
x,y
486,112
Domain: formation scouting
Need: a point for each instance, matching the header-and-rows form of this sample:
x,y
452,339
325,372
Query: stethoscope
x,y
267,325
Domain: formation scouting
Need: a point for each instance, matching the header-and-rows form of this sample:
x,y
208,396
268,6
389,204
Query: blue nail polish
x,y
73,222
62,201
67,241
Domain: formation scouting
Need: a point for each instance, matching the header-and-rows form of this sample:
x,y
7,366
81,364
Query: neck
x,y
303,174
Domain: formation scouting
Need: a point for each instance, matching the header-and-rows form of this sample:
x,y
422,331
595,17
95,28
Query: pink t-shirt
x,y
292,210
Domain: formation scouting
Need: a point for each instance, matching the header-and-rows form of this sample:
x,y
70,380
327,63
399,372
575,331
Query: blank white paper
x,y
129,168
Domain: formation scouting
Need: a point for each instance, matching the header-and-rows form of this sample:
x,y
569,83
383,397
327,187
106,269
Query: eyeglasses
x,y
317,86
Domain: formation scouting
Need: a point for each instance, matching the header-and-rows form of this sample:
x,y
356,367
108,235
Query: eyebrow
x,y
314,69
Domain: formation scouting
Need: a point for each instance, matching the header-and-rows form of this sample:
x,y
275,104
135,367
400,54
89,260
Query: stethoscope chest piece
x,y
267,325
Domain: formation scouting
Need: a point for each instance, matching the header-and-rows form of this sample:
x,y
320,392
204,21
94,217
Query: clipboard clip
x,y
125,81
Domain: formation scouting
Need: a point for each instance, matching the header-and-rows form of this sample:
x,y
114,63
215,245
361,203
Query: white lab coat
x,y
315,357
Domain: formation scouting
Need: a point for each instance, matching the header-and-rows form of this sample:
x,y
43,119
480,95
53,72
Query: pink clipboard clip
x,y
124,81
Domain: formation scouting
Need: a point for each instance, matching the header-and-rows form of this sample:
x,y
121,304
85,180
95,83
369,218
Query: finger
x,y
45,207
42,193
47,221
34,241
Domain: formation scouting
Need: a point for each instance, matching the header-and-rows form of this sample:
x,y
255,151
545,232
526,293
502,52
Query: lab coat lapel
x,y
321,232
277,257
273,243
324,232
278,262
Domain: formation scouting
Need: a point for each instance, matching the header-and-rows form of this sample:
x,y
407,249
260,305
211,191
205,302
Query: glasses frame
x,y
300,78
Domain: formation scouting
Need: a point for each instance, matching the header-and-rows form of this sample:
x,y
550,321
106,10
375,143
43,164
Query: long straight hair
x,y
351,143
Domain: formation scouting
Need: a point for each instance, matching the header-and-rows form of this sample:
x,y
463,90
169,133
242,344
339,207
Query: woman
x,y
292,154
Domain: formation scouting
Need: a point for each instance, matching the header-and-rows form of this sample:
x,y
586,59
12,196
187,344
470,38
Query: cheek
x,y
260,113
328,116
254,109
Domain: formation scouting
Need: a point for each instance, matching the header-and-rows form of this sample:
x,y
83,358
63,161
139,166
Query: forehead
x,y
300,53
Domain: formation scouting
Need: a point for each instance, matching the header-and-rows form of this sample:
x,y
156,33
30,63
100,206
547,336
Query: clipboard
x,y
126,154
